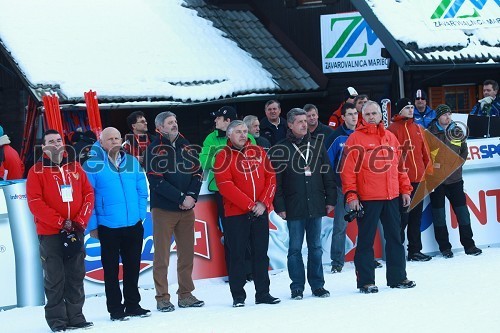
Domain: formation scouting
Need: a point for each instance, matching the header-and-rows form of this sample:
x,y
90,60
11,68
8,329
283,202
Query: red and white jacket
x,y
372,165
43,191
244,177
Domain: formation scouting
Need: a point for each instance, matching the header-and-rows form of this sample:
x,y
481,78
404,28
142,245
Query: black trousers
x,y
126,243
222,226
63,282
411,221
242,230
456,195
388,213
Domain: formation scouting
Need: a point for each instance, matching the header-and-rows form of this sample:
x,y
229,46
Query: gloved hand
x,y
486,100
68,226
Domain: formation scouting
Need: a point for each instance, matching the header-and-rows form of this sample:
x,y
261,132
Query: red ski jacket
x,y
372,165
43,191
416,155
244,177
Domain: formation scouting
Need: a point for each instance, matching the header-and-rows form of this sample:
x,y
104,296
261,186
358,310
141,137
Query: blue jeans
x,y
312,228
337,250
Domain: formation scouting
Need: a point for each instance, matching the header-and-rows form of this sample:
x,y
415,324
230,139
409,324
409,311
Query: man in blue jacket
x,y
339,137
120,208
423,115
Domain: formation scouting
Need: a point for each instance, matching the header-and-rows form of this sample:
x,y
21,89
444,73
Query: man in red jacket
x,y
416,158
61,199
373,182
247,183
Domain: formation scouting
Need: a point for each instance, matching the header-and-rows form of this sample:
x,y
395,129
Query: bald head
x,y
110,139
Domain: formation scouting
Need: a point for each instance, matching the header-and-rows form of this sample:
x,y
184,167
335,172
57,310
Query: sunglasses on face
x,y
420,99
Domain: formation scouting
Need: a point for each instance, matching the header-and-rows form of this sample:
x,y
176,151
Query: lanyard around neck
x,y
306,158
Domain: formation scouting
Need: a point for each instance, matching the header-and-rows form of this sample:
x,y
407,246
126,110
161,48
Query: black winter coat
x,y
298,195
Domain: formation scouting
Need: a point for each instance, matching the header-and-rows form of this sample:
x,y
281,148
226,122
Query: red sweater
x,y
372,162
45,201
415,151
243,178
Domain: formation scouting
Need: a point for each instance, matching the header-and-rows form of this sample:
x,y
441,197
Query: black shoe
x,y
238,303
418,256
297,295
121,316
369,289
139,312
59,329
268,299
321,292
447,254
473,251
83,325
405,284
377,264
336,268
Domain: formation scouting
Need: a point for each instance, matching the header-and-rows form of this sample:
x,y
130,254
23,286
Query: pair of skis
x,y
53,117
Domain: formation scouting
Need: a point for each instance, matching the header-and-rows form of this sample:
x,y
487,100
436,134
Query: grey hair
x,y
232,125
290,116
249,120
371,103
160,118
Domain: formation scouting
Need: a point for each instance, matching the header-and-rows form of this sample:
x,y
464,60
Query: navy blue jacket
x,y
173,171
339,138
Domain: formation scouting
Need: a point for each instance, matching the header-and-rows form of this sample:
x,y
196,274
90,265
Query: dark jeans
x,y
388,213
126,243
455,194
337,249
241,230
63,282
312,229
411,222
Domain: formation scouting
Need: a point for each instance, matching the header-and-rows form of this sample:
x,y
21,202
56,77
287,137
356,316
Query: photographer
x,y
371,180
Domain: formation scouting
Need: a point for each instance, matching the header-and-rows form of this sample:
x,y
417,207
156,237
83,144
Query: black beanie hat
x,y
420,93
402,103
349,92
442,109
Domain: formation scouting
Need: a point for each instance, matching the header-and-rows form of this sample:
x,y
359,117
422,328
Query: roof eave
x,y
397,53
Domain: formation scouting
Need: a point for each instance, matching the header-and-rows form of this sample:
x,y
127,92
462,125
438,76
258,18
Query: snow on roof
x,y
135,48
410,22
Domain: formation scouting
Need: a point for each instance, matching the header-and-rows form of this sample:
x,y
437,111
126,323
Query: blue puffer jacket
x,y
339,137
120,193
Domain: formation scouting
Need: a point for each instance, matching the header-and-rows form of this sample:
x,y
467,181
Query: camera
x,y
353,214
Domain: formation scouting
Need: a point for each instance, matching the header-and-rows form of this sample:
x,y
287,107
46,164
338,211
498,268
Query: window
x,y
460,98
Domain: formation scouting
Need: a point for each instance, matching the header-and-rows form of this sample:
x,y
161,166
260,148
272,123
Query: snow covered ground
x,y
452,295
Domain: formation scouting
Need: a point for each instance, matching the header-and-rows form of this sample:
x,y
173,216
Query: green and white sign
x,y
465,14
348,44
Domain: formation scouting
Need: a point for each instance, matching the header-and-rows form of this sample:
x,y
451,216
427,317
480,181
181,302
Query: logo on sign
x,y
349,44
344,45
93,265
18,197
453,14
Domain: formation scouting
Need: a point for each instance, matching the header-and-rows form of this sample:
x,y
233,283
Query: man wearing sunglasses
x,y
423,115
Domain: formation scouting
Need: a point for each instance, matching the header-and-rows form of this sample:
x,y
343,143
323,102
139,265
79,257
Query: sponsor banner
x,y
483,201
464,14
348,44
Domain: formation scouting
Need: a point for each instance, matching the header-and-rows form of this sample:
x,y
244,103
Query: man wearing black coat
x,y
305,192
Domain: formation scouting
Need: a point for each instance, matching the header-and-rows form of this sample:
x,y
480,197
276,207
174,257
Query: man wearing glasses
x,y
423,114
138,139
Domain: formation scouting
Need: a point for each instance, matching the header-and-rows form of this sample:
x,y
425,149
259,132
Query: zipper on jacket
x,y
64,183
